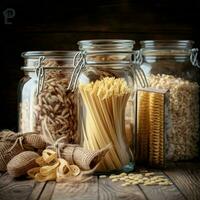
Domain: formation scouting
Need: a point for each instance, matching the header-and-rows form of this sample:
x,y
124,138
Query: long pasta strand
x,y
99,136
105,102
100,131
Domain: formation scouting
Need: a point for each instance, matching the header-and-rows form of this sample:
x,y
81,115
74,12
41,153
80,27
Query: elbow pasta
x,y
183,136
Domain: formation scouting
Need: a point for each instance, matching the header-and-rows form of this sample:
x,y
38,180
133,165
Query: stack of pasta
x,y
143,129
105,102
151,111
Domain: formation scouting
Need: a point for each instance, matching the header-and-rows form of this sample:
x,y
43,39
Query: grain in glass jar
x,y
173,65
45,105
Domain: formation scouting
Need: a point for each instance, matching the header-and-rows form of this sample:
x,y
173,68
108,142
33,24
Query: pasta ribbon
x,y
52,168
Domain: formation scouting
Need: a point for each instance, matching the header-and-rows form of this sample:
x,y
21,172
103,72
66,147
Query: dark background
x,y
46,25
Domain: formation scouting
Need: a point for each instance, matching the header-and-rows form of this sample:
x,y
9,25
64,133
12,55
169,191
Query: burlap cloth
x,y
11,144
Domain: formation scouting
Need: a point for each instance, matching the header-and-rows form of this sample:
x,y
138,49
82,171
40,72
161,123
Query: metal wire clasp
x,y
40,74
79,64
140,76
194,57
138,59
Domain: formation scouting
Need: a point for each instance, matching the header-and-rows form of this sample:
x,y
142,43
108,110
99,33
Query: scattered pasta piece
x,y
146,179
102,176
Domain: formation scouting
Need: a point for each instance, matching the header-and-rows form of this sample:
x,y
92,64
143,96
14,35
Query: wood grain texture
x,y
5,180
37,191
48,190
75,191
186,176
162,192
109,190
18,189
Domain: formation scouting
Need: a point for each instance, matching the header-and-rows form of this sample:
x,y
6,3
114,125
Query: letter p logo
x,y
8,13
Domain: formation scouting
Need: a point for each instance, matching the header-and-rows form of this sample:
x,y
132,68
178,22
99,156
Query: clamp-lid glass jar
x,y
45,106
106,91
173,65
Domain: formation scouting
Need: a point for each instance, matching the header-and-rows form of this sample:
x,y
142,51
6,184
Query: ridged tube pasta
x,y
152,109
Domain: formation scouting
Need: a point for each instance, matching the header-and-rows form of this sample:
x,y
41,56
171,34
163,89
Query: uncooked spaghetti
x,y
105,102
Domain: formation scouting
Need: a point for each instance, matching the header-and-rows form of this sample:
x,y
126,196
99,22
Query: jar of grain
x,y
173,65
45,105
106,91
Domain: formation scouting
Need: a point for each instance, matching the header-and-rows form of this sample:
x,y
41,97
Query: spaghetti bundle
x,y
105,102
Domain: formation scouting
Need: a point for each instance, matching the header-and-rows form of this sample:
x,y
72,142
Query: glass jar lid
x,y
64,59
167,44
113,45
166,47
106,51
54,54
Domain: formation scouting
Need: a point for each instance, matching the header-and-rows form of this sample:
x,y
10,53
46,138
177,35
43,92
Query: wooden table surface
x,y
185,178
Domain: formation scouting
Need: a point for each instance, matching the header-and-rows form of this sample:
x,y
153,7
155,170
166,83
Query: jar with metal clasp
x,y
106,82
45,106
173,65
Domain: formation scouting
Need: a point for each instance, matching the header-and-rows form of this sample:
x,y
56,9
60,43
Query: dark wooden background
x,y
46,25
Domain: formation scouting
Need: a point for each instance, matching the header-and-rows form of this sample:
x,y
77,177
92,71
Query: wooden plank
x,y
5,180
186,176
48,190
1,173
76,191
114,190
157,192
37,191
15,188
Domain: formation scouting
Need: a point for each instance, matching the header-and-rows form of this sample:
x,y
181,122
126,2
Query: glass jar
x,y
173,65
45,106
106,91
